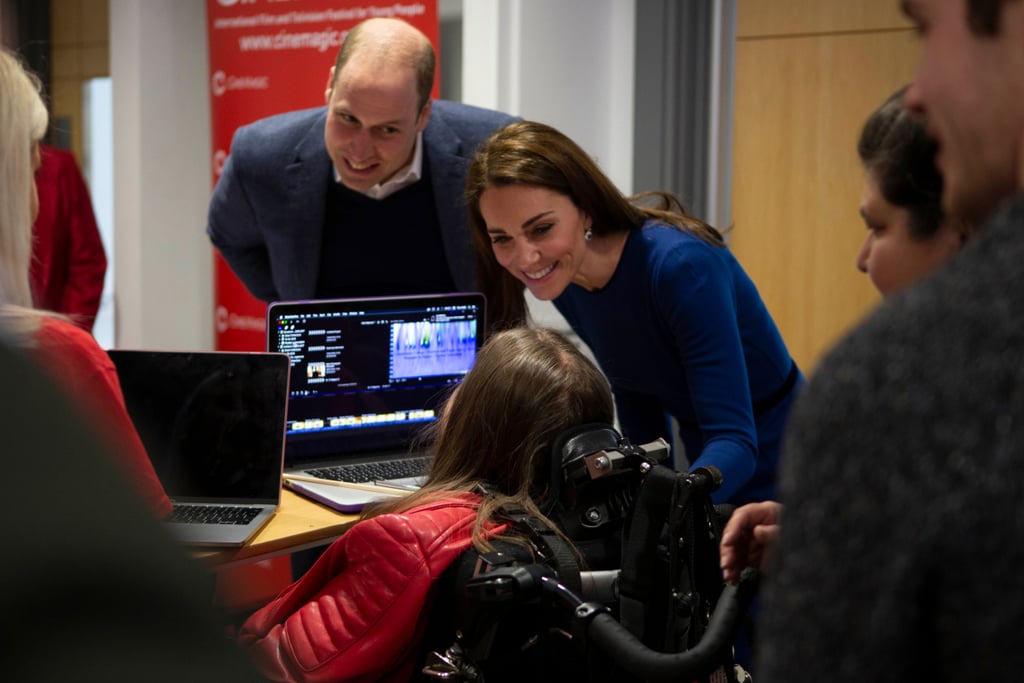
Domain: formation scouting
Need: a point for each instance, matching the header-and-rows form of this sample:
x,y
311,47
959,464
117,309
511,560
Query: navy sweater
x,y
681,330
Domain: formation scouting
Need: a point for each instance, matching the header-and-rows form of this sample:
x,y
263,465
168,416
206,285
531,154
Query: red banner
x,y
267,57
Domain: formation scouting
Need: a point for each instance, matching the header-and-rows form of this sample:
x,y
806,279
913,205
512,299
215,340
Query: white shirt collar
x,y
403,178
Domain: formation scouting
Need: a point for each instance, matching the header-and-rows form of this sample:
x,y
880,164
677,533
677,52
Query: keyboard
x,y
361,473
212,514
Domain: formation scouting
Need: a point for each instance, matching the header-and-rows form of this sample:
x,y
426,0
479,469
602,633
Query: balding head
x,y
388,44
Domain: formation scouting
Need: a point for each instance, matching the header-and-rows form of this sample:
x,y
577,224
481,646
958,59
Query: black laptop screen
x,y
367,374
212,422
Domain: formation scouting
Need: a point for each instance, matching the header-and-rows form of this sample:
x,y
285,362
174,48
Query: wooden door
x,y
808,73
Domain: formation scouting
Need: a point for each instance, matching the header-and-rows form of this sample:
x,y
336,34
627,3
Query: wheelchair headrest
x,y
593,452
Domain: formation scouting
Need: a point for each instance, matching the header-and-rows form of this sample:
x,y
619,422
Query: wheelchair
x,y
625,587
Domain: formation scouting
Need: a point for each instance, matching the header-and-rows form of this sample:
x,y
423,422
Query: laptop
x,y
368,375
213,426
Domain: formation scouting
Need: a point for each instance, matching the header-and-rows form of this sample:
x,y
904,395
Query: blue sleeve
x,y
233,228
693,288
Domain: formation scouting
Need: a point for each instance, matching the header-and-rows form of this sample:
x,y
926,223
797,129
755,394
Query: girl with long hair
x,y
361,611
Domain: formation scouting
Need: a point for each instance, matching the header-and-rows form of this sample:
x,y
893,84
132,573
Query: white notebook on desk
x,y
343,496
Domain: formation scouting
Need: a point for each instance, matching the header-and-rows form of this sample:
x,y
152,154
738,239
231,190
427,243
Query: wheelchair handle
x,y
625,649
705,479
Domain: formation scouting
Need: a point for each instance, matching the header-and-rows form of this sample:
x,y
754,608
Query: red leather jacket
x,y
360,611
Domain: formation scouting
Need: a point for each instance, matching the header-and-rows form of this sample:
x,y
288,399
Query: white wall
x,y
98,153
162,181
567,63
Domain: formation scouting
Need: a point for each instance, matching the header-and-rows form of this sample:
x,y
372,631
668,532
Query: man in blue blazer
x,y
363,197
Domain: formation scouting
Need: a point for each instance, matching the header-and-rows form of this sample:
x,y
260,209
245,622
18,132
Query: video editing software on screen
x,y
371,369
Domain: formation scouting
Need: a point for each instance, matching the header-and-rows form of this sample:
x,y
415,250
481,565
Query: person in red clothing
x,y
68,353
361,611
68,261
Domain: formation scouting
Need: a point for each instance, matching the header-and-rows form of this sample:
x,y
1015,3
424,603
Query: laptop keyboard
x,y
212,514
360,473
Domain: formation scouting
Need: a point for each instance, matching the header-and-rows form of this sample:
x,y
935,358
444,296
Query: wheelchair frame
x,y
664,614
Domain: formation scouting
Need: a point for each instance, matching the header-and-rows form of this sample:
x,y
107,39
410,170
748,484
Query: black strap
x,y
550,544
679,528
645,526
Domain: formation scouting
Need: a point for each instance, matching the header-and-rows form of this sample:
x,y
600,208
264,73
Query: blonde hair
x,y
23,121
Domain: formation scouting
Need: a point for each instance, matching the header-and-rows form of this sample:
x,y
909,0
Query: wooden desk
x,y
299,524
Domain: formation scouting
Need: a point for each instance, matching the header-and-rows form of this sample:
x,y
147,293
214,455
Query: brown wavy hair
x,y
531,153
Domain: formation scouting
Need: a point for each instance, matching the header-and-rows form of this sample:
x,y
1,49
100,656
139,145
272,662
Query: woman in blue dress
x,y
674,322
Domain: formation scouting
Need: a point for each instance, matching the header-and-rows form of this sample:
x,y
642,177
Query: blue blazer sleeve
x,y
267,211
231,226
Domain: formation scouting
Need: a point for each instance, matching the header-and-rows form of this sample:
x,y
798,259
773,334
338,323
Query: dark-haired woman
x,y
908,233
674,322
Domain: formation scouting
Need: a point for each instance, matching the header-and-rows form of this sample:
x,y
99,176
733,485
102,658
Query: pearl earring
x,y
588,235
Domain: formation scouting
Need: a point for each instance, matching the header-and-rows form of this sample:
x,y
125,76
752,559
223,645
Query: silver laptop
x,y
213,426
368,375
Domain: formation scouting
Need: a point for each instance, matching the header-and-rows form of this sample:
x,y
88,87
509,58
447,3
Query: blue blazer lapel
x,y
448,166
307,179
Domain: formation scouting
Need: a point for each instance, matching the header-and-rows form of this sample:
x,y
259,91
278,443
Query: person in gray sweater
x,y
903,470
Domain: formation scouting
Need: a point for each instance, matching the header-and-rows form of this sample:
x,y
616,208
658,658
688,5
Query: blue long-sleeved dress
x,y
681,330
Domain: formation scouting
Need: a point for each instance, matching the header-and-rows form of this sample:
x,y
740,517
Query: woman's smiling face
x,y
537,235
